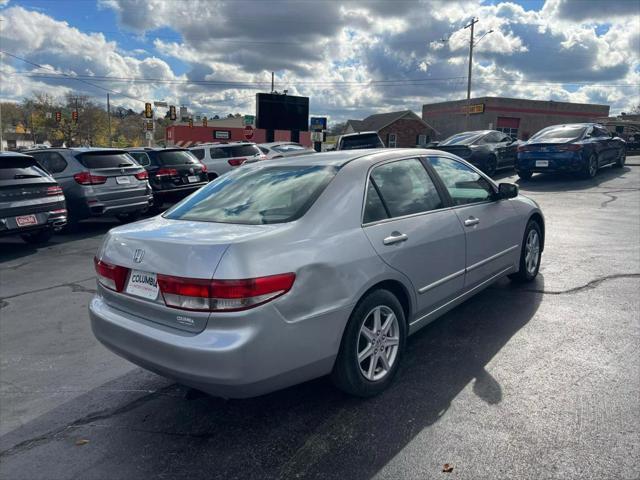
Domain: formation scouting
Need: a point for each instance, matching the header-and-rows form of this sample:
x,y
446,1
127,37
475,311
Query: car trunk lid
x,y
181,248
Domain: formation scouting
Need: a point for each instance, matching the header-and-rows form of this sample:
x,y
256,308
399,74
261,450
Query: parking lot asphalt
x,y
535,381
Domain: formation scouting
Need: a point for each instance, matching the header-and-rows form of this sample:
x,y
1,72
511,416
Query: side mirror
x,y
507,190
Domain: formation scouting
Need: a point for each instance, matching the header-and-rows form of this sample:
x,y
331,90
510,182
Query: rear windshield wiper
x,y
125,165
25,175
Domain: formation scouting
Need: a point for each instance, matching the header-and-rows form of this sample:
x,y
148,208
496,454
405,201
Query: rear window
x,y
199,153
552,133
256,196
106,159
13,168
462,138
370,140
234,151
175,157
289,148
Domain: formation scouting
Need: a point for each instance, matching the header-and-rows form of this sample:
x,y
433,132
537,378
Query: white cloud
x,y
530,54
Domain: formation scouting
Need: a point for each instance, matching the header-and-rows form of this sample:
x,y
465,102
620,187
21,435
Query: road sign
x,y
248,132
48,114
316,136
249,120
318,123
149,135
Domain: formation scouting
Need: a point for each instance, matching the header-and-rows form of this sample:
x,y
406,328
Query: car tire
x,y
622,159
41,236
531,243
212,176
360,378
490,165
525,174
128,217
591,168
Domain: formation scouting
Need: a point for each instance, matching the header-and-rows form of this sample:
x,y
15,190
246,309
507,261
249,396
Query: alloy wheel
x,y
378,343
532,252
593,166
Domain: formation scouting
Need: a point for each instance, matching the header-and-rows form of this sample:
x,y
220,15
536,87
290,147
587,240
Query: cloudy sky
x,y
353,58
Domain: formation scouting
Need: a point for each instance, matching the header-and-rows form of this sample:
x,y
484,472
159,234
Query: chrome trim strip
x,y
463,294
437,283
491,258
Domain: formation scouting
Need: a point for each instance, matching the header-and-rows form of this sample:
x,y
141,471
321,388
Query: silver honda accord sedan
x,y
287,270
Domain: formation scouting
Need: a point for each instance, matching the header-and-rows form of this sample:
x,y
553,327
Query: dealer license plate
x,y
26,220
542,163
143,284
123,180
193,178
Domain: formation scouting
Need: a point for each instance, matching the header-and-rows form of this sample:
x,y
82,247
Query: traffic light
x,y
190,122
148,112
58,117
149,125
204,121
172,112
74,116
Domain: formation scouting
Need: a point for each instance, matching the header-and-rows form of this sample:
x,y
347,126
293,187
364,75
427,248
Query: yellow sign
x,y
473,109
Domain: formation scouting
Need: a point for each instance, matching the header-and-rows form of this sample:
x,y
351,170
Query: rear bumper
x,y
55,218
91,207
244,354
177,192
564,163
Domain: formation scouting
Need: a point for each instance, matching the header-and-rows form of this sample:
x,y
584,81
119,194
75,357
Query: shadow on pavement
x,y
552,182
307,431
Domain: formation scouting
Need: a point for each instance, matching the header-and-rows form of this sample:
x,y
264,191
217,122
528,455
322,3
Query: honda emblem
x,y
138,255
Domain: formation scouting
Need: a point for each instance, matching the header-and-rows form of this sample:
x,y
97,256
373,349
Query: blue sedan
x,y
580,148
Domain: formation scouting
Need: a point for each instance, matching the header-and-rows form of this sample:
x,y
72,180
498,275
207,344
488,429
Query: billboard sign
x,y
318,123
282,112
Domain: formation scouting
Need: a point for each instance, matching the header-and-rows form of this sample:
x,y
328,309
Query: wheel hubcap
x,y
593,167
378,343
532,252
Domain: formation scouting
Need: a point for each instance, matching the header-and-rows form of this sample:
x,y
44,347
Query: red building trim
x,y
537,111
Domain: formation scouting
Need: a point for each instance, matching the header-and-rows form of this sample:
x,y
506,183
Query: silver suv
x,y
98,181
222,157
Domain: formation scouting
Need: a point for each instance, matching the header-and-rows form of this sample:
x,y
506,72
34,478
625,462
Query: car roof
x,y
80,149
221,144
342,157
371,132
7,154
275,144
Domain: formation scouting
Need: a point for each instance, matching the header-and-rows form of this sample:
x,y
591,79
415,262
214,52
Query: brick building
x,y
396,129
516,117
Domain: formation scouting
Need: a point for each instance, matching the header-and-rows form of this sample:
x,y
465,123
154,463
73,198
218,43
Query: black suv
x,y
174,173
31,202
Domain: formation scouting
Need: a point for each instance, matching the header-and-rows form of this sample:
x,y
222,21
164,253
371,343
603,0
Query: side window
x,y
464,184
198,153
405,187
141,157
373,208
493,137
223,152
53,162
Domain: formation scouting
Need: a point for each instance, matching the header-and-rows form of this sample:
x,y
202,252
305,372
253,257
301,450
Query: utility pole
x,y
109,119
473,22
272,82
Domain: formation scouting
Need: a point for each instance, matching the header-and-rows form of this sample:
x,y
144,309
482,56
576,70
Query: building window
x,y
392,140
422,140
512,132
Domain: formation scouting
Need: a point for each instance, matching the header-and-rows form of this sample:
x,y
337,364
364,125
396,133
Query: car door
x,y
507,149
604,139
491,226
407,222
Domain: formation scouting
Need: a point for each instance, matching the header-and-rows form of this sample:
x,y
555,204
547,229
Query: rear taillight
x,y
222,295
524,148
60,211
236,162
204,168
111,276
166,172
142,175
85,178
54,190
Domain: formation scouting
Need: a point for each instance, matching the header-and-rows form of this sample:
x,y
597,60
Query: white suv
x,y
222,157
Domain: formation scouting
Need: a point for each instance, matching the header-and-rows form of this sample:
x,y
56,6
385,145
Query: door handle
x,y
395,237
471,221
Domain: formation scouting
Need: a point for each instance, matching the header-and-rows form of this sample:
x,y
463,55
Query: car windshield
x,y
563,132
13,168
289,148
256,196
175,157
106,159
368,140
466,138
